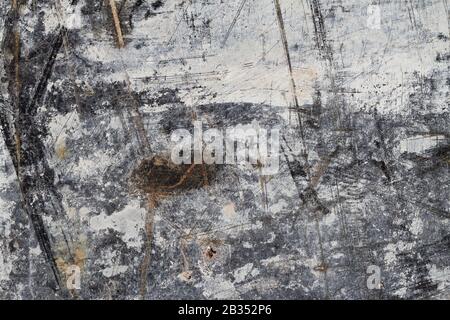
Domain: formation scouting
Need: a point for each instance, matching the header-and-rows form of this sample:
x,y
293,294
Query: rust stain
x,y
61,149
210,252
66,261
149,222
321,268
120,42
157,178
321,168
160,177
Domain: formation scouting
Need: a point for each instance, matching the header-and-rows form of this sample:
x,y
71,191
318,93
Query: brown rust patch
x,y
61,149
210,252
160,177
66,260
117,26
321,268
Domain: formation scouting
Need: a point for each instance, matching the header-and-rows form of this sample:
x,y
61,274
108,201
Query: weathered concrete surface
x,y
87,95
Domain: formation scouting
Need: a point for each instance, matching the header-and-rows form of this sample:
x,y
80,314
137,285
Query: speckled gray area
x,y
91,92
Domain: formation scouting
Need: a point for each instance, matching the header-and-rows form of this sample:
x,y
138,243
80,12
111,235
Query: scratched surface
x,y
91,91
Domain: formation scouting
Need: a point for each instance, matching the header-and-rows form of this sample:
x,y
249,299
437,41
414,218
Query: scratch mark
x,y
238,13
120,42
289,64
149,223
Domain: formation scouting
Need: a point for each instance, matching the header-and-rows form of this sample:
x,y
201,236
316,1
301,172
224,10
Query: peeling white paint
x,y
420,143
241,273
114,270
129,222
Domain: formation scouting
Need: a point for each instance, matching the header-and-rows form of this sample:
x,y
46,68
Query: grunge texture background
x,y
92,89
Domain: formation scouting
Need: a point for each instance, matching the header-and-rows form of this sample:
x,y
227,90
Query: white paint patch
x,y
393,249
92,166
420,143
74,18
241,273
6,208
62,126
114,270
272,237
440,276
416,226
229,211
35,251
5,268
64,14
247,245
219,288
279,206
128,222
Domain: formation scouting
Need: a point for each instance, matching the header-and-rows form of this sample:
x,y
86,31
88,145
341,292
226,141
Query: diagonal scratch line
x,y
176,28
115,15
233,23
289,64
304,12
36,219
40,88
285,45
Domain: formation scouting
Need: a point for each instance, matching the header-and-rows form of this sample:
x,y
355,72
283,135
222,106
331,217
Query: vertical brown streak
x,y
149,222
12,127
145,145
116,19
323,264
263,185
17,59
183,248
286,48
322,257
205,176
